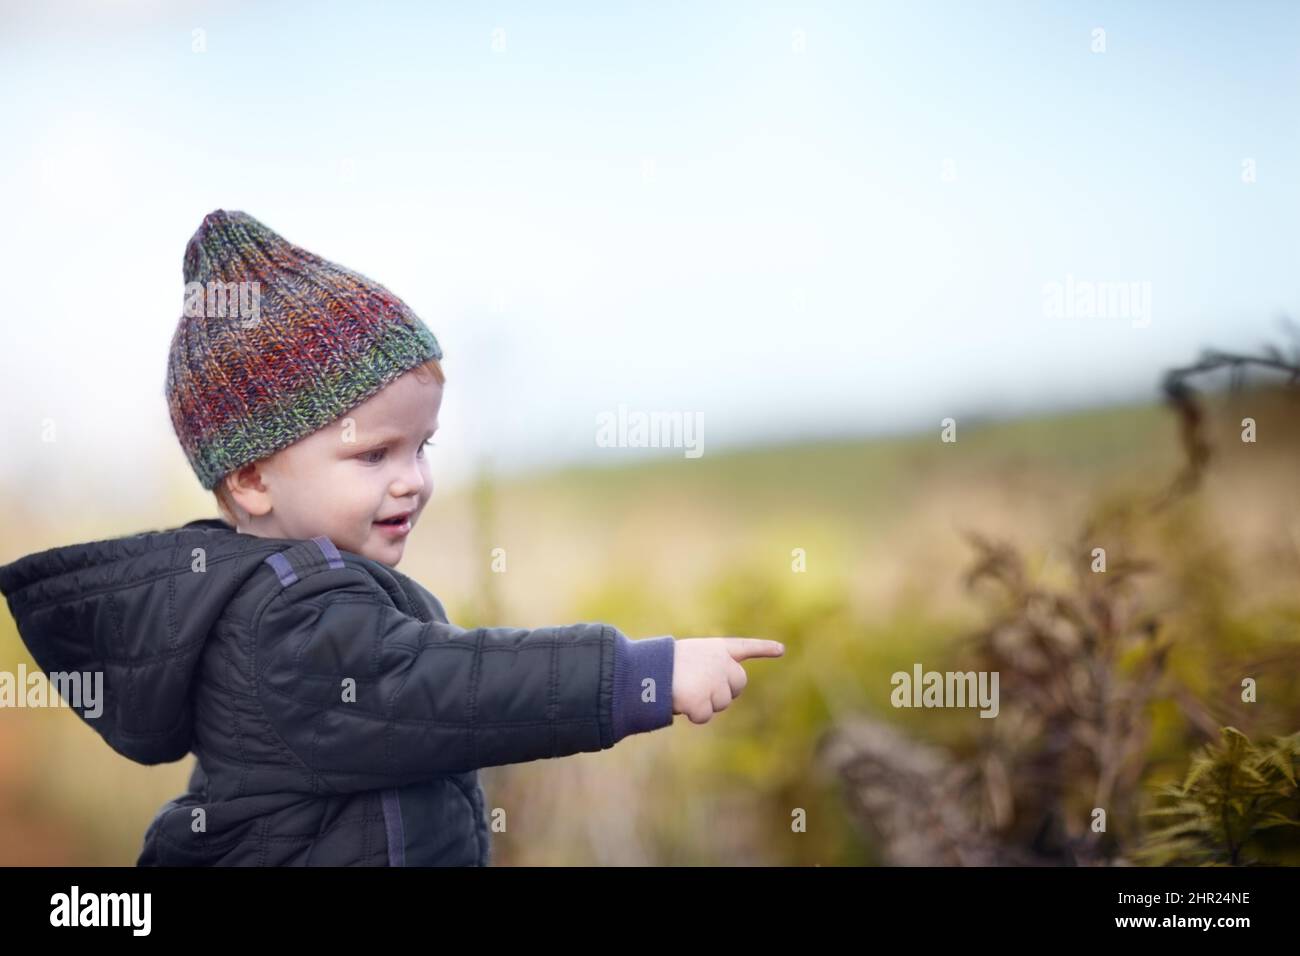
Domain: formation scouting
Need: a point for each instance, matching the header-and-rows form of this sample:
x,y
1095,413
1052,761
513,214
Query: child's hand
x,y
706,675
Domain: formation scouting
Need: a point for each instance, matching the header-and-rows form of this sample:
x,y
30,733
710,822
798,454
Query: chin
x,y
389,557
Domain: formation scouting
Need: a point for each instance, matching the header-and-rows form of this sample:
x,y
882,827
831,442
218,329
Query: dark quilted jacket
x,y
336,715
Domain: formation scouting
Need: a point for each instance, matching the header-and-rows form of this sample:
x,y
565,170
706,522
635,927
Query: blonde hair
x,y
226,504
432,367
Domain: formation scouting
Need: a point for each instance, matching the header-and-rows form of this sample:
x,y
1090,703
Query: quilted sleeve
x,y
368,696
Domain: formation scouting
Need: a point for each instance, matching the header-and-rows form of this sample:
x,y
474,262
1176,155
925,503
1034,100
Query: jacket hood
x,y
137,609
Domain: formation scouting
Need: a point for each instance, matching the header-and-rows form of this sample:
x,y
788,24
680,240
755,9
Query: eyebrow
x,y
387,437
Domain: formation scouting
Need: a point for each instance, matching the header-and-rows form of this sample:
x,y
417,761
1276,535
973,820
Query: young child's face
x,y
342,479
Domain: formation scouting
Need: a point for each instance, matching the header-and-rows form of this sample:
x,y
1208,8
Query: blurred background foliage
x,y
966,555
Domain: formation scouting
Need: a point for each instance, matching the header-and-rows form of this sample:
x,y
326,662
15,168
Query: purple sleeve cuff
x,y
634,661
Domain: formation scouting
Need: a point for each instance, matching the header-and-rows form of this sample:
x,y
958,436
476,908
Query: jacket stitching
x,y
182,650
236,735
431,722
173,633
475,675
206,843
553,697
259,689
111,588
313,778
600,689
390,725
115,615
476,810
365,834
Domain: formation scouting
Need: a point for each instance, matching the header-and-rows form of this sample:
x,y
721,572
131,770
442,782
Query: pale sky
x,y
790,219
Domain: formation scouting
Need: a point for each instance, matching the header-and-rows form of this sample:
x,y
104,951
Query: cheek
x,y
346,489
370,492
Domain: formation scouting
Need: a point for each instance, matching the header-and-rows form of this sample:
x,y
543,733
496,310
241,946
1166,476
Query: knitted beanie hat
x,y
275,343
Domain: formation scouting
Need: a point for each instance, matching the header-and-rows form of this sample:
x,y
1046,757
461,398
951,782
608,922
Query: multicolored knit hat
x,y
275,343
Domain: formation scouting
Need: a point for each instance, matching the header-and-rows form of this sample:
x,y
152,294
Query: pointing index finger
x,y
743,648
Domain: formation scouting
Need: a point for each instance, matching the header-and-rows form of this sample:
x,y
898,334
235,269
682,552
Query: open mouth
x,y
397,525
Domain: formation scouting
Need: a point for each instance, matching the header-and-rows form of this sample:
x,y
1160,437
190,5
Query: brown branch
x,y
1191,417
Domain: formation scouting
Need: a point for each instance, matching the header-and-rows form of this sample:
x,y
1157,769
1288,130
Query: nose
x,y
410,482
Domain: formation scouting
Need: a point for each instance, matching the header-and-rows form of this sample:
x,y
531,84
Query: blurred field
x,y
704,547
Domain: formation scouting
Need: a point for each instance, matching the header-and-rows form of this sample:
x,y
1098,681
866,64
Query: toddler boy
x,y
337,716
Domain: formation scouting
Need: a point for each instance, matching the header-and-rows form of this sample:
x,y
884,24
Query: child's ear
x,y
248,491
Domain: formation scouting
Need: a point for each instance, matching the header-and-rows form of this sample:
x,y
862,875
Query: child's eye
x,y
428,443
374,451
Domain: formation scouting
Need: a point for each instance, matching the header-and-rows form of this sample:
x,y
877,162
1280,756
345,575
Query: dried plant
x,y
913,799
1079,668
